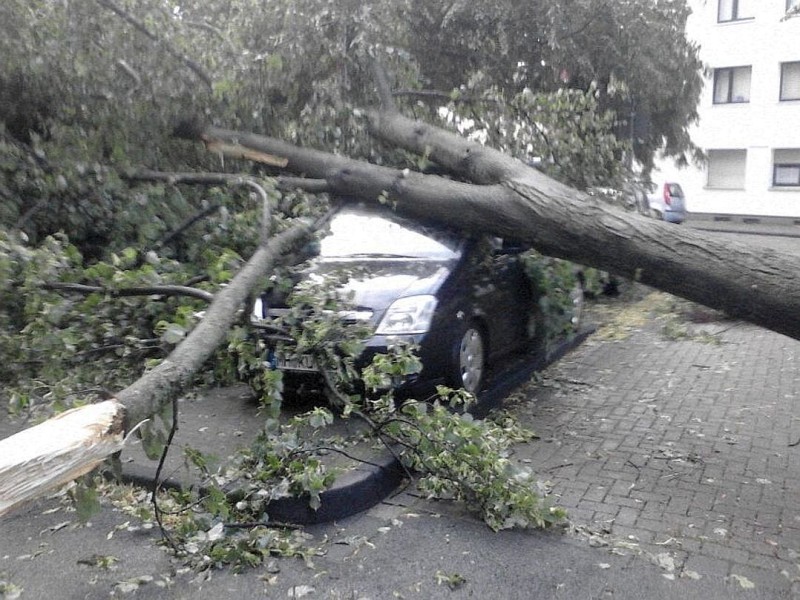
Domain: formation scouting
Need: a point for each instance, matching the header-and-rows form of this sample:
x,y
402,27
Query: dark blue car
x,y
466,302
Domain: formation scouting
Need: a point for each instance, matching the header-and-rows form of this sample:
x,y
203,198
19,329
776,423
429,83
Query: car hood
x,y
375,283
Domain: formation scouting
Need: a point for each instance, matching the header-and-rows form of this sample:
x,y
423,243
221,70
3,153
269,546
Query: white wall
x,y
759,126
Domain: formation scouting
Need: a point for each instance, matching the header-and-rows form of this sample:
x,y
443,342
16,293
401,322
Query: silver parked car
x,y
667,203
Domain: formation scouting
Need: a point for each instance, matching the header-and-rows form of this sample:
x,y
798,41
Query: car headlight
x,y
408,315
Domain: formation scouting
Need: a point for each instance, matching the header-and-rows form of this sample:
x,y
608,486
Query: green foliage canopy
x,y
111,86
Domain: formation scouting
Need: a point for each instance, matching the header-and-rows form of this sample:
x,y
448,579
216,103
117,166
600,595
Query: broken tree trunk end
x,y
74,443
58,451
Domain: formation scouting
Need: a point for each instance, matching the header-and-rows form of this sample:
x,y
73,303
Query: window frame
x,y
790,4
734,13
729,95
796,63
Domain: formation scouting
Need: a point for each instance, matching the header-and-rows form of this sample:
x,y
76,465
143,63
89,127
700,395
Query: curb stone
x,y
222,420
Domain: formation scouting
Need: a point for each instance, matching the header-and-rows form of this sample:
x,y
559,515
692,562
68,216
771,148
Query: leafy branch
x,y
158,290
168,48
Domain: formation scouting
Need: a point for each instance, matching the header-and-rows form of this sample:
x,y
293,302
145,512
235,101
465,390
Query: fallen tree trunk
x,y
513,200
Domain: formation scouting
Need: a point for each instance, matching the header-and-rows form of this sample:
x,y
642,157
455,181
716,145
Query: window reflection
x,y
359,233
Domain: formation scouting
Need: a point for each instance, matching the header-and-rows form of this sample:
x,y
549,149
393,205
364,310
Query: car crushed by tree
x,y
464,304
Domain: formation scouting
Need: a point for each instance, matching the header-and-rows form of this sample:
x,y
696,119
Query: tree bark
x,y
510,199
161,290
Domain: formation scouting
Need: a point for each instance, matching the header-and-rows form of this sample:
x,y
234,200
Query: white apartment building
x,y
749,110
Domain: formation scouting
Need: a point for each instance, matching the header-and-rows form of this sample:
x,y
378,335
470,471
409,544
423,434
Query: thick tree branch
x,y
158,290
384,89
440,96
174,178
301,161
61,449
514,200
480,164
187,177
158,386
58,451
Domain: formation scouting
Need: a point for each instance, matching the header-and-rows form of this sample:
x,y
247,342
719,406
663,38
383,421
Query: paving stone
x,y
725,552
758,577
654,525
690,545
624,502
600,510
596,493
627,516
707,566
683,442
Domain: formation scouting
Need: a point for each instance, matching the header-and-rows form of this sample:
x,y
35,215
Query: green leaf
x,y
87,503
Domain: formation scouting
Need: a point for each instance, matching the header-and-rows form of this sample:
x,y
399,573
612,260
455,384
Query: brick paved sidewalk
x,y
679,450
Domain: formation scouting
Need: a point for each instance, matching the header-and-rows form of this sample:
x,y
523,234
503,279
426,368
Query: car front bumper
x,y
431,350
671,216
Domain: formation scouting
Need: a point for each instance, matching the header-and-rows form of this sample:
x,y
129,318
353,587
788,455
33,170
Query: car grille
x,y
260,319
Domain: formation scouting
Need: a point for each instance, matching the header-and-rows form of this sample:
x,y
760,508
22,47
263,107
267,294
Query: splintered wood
x,y
58,451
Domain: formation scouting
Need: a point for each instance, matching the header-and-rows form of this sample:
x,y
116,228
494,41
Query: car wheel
x,y
469,360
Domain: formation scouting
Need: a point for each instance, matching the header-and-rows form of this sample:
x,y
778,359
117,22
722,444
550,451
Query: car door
x,y
503,293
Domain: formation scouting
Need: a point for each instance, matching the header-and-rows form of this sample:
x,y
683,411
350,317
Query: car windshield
x,y
355,234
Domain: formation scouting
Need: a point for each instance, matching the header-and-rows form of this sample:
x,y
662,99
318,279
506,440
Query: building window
x,y
731,85
790,81
726,169
786,167
734,10
790,4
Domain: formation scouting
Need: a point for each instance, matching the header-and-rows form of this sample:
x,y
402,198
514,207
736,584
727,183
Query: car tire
x,y
468,367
